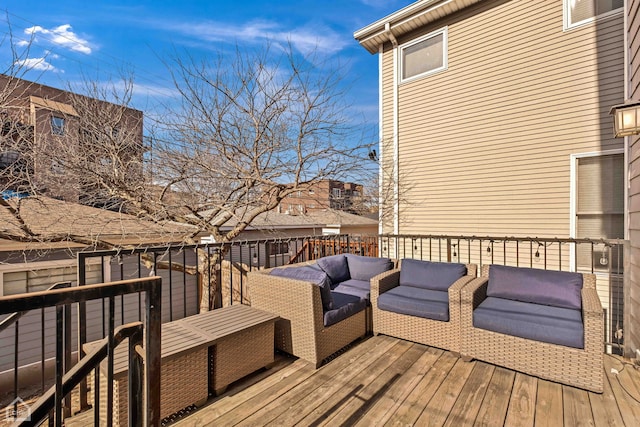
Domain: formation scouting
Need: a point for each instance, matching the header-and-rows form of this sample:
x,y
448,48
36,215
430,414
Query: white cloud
x,y
39,64
304,39
61,35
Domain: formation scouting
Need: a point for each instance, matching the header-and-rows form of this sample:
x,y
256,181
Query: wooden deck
x,y
386,381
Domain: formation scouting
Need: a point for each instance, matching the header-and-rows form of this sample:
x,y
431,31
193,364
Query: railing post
x,y
67,354
448,249
153,323
136,389
82,331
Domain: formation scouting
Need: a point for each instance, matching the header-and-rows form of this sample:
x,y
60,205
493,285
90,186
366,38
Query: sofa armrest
x,y
456,288
385,281
291,299
474,292
592,319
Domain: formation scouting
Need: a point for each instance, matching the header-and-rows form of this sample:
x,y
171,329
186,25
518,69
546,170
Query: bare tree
x,y
247,129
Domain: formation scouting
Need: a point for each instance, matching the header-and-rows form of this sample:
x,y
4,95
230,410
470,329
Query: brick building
x,y
326,194
38,120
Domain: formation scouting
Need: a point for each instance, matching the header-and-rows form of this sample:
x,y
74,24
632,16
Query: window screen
x,y
580,10
599,206
422,57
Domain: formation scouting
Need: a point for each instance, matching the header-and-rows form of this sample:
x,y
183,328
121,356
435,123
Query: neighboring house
x,y
325,194
64,230
494,121
37,119
632,92
286,231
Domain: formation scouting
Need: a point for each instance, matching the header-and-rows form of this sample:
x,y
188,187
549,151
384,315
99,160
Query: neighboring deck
x,y
386,381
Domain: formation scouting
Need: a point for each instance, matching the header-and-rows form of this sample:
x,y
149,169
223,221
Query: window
x,y
599,206
580,11
425,56
39,276
336,193
57,125
279,248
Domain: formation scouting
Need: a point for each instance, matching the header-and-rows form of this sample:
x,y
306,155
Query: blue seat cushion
x,y
430,275
418,302
359,288
364,268
309,274
556,288
336,267
344,306
554,325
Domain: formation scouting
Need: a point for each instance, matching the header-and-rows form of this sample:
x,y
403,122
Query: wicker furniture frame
x,y
435,333
300,330
241,342
581,368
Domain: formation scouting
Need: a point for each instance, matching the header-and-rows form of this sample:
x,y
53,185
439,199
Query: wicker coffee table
x,y
241,342
183,377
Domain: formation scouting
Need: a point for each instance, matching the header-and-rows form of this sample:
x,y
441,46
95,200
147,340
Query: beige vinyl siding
x,y
632,331
485,146
387,140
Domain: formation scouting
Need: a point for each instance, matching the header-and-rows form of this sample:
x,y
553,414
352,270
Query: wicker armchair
x,y
435,333
576,367
300,330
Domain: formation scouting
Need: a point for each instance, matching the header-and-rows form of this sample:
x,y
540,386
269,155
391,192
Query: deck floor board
x,y
386,381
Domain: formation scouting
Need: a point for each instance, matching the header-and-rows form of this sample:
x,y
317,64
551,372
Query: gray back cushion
x,y
336,268
547,287
309,274
364,268
437,276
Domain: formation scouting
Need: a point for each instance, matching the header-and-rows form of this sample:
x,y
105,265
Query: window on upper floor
x,y
581,11
424,56
57,125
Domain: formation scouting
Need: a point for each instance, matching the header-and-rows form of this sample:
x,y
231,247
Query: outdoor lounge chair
x,y
420,302
544,323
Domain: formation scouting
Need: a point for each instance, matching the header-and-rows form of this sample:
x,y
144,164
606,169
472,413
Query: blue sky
x,y
98,39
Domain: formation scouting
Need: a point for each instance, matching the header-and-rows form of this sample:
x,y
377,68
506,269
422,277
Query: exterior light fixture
x,y
626,119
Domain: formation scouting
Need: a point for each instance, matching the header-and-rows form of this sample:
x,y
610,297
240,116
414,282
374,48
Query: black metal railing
x,y
51,403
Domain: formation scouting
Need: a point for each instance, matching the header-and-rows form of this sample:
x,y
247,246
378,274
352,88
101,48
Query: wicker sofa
x,y
544,323
415,315
309,326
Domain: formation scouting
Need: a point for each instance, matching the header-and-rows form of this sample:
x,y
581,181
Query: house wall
x,y
484,147
632,337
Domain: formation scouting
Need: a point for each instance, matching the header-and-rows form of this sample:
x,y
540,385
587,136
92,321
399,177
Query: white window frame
x,y
445,55
569,26
573,194
47,265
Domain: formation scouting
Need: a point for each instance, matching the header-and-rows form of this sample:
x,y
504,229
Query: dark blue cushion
x,y
556,288
336,267
555,325
359,288
430,275
344,306
414,301
309,274
364,268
